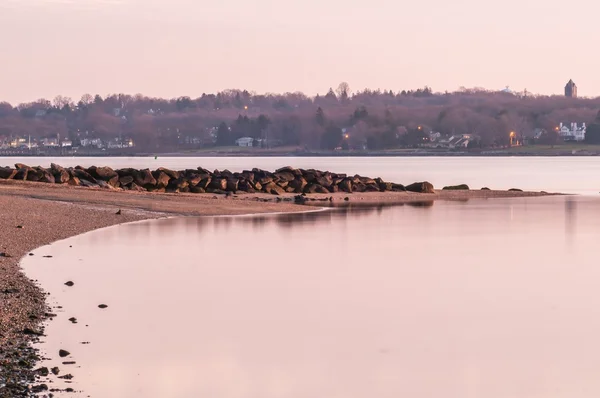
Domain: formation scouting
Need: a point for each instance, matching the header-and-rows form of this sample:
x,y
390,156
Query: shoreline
x,y
32,211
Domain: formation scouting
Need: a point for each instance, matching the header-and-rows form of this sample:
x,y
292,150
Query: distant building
x,y
244,141
95,142
572,132
66,144
571,89
50,142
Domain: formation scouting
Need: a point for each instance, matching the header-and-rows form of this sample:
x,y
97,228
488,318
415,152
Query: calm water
x,y
493,299
557,174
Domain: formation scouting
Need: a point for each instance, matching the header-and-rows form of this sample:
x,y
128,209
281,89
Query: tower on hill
x,y
571,89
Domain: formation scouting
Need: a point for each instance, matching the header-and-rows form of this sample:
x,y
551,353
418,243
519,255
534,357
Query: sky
x,y
170,48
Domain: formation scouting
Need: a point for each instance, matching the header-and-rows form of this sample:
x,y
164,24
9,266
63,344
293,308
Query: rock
x,y
218,183
372,187
39,388
197,189
273,189
398,188
63,353
232,185
162,179
420,187
87,183
170,173
385,186
82,175
315,188
66,377
55,370
461,187
73,320
515,190
61,176
298,184
31,332
359,187
43,371
7,173
126,180
74,181
194,179
103,306
144,178
204,183
285,176
103,173
21,173
345,185
69,283
485,189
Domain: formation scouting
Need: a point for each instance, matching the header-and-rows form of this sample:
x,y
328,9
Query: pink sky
x,y
187,47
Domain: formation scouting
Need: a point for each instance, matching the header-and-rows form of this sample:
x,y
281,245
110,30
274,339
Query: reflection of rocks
x,y
284,180
334,210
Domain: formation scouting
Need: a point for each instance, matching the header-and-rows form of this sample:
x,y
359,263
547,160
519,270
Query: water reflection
x,y
477,299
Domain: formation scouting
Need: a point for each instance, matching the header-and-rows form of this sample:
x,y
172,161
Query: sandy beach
x,y
34,214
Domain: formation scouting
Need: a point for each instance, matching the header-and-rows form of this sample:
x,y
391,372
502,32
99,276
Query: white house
x,y
66,144
97,142
244,141
50,142
572,132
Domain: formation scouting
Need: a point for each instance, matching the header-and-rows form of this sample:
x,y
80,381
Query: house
x,y
50,142
95,142
244,141
572,132
455,141
66,144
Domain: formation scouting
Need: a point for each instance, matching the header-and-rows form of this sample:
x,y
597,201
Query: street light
x,y
346,136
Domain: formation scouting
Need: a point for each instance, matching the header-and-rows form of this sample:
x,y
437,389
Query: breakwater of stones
x,y
200,180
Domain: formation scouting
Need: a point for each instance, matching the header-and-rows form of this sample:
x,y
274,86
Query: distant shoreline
x,y
565,153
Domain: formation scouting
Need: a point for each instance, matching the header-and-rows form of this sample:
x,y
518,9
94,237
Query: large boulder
x,y
420,187
232,185
218,183
298,184
35,175
345,185
7,173
46,176
162,180
285,176
273,189
315,188
125,180
22,173
61,175
144,178
104,174
170,173
461,187
82,174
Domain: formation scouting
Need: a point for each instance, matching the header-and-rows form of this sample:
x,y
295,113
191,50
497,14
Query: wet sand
x,y
34,214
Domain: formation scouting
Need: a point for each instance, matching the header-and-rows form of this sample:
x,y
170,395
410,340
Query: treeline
x,y
365,119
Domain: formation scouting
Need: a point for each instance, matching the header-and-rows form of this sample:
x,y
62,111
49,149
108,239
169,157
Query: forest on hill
x,y
368,119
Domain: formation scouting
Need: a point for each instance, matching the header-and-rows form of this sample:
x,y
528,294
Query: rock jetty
x,y
282,181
